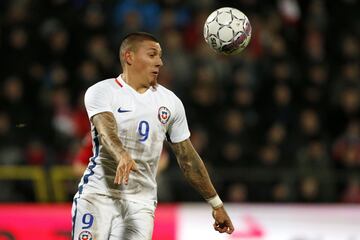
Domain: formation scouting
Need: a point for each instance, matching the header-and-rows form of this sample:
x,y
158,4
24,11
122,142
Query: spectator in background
x,y
11,152
135,15
281,109
348,108
13,100
309,190
35,153
237,193
201,141
351,192
309,127
282,192
67,125
204,98
179,66
349,49
18,51
57,45
313,160
98,50
346,148
315,89
235,141
87,73
348,78
314,49
79,117
277,136
243,98
269,157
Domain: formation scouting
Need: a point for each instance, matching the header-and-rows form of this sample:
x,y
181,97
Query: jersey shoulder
x,y
167,92
104,84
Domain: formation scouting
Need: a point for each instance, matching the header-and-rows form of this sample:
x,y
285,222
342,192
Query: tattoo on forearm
x,y
106,126
193,168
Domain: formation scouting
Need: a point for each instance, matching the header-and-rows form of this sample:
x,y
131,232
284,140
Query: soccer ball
x,y
227,30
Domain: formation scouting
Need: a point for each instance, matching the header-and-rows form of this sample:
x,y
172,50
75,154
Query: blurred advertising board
x,y
194,222
274,222
53,222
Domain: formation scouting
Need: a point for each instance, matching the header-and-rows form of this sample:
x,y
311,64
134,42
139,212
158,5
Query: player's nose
x,y
159,63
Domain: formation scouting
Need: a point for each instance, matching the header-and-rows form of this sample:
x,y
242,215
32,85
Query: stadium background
x,y
277,124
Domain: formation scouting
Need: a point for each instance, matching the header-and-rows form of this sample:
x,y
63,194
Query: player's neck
x,y
134,82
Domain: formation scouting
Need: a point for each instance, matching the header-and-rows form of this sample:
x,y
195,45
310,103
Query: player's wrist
x,y
122,152
215,202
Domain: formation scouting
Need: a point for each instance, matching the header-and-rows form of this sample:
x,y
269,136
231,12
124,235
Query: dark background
x,y
277,123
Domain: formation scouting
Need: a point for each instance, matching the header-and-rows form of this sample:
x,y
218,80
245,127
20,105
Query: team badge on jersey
x,y
164,114
85,235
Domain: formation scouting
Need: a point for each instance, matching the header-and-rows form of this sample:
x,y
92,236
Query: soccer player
x,y
131,115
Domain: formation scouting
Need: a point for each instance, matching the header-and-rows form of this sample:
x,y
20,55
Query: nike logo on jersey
x,y
123,110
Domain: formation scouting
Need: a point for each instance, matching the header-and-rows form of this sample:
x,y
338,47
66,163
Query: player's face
x,y
148,61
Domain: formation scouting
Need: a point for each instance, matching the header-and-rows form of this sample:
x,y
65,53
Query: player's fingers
x,y
126,178
120,179
220,227
216,227
126,174
230,228
221,230
119,176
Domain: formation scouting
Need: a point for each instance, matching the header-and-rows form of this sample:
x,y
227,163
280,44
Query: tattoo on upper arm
x,y
186,155
106,127
179,149
193,168
105,122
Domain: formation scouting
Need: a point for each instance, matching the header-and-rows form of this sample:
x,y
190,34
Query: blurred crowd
x,y
277,123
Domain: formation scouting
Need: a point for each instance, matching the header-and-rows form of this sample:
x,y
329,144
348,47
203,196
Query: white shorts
x,y
100,217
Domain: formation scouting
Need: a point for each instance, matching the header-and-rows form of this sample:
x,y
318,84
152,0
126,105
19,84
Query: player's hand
x,y
125,165
222,221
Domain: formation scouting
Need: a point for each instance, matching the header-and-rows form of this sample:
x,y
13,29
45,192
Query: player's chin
x,y
153,81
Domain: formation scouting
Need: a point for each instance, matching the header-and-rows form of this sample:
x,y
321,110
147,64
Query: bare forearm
x,y
194,169
195,172
112,144
107,129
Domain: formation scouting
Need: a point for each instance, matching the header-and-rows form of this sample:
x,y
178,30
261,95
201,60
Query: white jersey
x,y
143,121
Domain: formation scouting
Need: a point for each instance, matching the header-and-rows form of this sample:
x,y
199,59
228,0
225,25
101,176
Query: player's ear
x,y
129,57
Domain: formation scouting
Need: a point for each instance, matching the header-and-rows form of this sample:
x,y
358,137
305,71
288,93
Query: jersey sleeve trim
x,y
180,138
98,112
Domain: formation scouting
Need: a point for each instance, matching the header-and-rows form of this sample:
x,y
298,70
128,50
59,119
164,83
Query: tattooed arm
x,y
196,174
106,127
193,168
